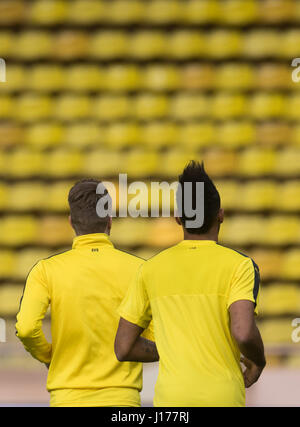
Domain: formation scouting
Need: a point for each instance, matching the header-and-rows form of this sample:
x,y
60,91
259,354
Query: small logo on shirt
x,y
95,250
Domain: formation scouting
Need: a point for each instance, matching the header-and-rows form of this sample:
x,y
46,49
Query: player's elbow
x,y
243,336
25,330
121,351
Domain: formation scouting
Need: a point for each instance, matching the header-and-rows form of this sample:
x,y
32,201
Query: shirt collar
x,y
95,239
197,243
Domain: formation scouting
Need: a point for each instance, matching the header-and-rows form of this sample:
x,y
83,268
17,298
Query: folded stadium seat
x,y
120,78
128,232
223,44
195,135
17,78
288,196
70,45
10,295
261,44
71,107
7,42
30,107
235,134
195,76
163,232
273,133
140,163
12,12
43,135
123,12
282,230
54,231
225,106
26,196
290,40
83,78
85,12
24,163
33,45
101,163
63,163
269,262
232,76
254,161
185,44
7,263
171,162
47,12
276,11
121,134
257,195
163,12
11,134
147,44
239,12
160,78
263,105
290,268
273,76
18,230
56,196
279,298
292,107
46,78
185,106
158,134
201,12
242,230
6,107
220,162
230,193
83,134
26,259
111,107
148,106
108,45
276,331
288,162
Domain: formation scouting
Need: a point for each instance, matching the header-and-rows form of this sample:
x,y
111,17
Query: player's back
x,y
86,286
190,287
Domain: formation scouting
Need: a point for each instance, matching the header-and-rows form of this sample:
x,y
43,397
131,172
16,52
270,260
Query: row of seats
x,y
140,163
154,77
84,12
31,107
249,196
229,134
145,44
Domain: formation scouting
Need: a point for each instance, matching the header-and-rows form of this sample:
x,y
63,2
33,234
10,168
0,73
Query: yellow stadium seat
x,y
24,163
46,78
111,107
197,76
10,295
32,45
172,162
234,76
55,231
163,11
190,106
239,12
234,134
6,107
243,230
257,195
84,78
148,106
201,12
121,134
4,196
63,163
101,163
18,230
15,78
294,134
261,44
26,259
288,162
125,11
265,105
276,11
273,76
220,162
120,78
7,41
140,163
159,134
56,196
185,44
161,77
282,230
221,44
86,12
148,44
12,12
225,106
276,331
255,161
44,135
72,107
269,262
108,45
290,268
229,191
129,232
31,107
48,12
288,197
195,135
289,47
26,196
70,45
164,232
11,134
277,299
7,263
273,133
292,107
83,134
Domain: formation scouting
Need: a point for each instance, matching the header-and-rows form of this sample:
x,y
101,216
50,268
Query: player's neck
x,y
210,235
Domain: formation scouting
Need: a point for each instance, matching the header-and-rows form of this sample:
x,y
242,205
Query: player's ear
x,y
220,216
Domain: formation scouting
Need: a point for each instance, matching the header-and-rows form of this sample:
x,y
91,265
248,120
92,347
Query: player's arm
x,y
248,338
130,346
33,307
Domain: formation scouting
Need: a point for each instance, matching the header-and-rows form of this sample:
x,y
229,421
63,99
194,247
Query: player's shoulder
x,y
160,257
57,257
234,255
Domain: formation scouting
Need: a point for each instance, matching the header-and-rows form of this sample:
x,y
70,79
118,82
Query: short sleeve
x,y
245,283
136,305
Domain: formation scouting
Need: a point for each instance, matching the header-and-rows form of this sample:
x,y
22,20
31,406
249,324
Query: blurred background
x,y
97,88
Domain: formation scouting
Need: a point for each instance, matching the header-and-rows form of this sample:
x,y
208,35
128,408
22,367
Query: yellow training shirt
x,y
187,290
84,287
